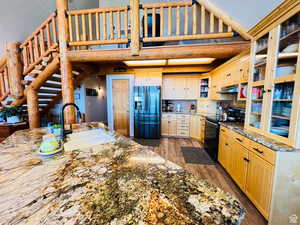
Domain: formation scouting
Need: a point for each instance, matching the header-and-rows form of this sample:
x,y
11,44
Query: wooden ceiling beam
x,y
219,51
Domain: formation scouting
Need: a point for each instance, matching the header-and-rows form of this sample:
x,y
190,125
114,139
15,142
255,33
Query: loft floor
x,y
169,148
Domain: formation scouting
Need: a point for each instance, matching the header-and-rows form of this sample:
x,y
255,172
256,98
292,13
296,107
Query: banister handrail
x,y
42,26
4,80
87,11
167,4
40,43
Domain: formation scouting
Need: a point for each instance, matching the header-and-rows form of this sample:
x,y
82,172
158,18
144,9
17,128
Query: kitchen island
x,y
114,183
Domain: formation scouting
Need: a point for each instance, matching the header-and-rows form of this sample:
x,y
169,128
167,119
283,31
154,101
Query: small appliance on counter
x,y
147,112
212,129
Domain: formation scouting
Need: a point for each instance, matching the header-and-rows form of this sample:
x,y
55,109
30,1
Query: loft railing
x,y
40,44
184,21
98,26
4,79
177,21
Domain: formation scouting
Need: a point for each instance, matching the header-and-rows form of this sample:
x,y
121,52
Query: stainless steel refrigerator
x,y
147,112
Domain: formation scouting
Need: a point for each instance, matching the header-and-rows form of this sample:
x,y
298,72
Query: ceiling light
x,y
190,61
146,63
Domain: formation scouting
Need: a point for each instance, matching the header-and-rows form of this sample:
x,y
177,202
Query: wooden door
x,y
120,96
165,125
168,89
180,88
192,88
224,154
172,125
239,164
259,183
195,127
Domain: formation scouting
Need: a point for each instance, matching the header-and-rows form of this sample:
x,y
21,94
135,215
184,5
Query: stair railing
x,y
40,43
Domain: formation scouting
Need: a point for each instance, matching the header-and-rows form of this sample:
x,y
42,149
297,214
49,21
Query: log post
x,y
135,26
33,108
15,69
65,64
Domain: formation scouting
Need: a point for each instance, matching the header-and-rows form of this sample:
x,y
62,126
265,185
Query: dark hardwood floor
x,y
170,148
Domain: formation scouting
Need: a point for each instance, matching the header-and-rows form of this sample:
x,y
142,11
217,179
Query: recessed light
x,y
190,61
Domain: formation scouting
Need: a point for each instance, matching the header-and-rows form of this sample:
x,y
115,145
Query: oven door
x,y
211,139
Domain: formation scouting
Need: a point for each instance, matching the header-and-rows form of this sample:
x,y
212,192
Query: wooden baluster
x,y
146,22
111,20
31,56
229,29
104,26
54,29
70,27
154,22
178,21
170,21
33,108
83,27
203,11
2,85
162,21
91,36
25,56
126,23
97,26
194,19
77,28
220,25
42,42
118,25
48,35
6,80
212,23
186,20
36,47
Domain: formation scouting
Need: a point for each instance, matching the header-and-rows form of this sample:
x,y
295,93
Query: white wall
x,y
19,18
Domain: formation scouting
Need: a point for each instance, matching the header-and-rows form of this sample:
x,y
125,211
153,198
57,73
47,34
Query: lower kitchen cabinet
x,y
251,172
168,125
183,125
259,183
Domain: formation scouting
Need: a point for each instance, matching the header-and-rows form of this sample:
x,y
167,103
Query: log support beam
x,y
33,108
15,69
65,64
135,26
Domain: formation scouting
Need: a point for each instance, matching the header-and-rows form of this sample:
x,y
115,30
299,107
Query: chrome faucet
x,y
63,131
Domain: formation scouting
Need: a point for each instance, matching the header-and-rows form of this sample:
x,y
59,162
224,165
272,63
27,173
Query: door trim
x,y
110,112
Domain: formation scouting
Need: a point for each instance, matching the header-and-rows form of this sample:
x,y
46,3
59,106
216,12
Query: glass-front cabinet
x,y
274,102
258,77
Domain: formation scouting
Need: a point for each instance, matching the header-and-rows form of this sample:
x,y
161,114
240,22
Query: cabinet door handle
x,y
247,160
226,144
259,151
223,130
238,139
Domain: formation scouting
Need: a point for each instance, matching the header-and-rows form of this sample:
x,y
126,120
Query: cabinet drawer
x,y
182,133
262,151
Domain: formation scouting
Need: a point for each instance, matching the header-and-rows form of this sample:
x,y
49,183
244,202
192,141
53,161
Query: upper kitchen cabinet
x,y
273,107
180,87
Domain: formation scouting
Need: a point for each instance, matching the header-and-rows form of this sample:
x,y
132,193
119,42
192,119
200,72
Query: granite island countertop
x,y
263,140
115,183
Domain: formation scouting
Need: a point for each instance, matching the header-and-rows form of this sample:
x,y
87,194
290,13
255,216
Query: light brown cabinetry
x,y
249,166
259,182
183,125
197,125
168,125
175,87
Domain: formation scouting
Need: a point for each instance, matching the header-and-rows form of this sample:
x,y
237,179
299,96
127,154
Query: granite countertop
x,y
268,142
116,183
